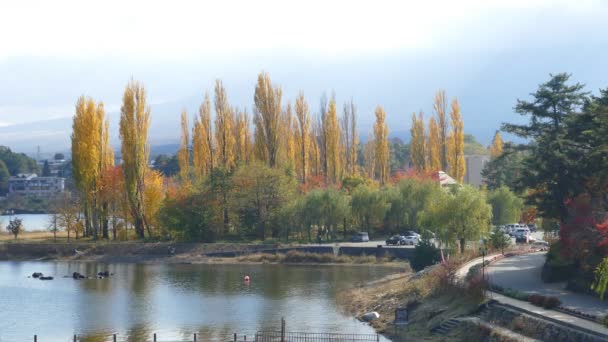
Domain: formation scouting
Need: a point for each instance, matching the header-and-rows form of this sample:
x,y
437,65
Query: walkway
x,y
522,273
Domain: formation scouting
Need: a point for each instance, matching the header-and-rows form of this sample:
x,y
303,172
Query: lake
x,y
174,301
31,222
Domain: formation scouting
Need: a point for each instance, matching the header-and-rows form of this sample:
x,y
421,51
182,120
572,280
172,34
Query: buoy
x,y
246,278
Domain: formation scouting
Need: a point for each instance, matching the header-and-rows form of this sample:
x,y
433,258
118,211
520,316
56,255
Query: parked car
x,y
360,237
523,235
395,240
412,240
411,233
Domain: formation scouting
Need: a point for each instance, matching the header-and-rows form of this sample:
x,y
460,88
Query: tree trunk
x,y
462,245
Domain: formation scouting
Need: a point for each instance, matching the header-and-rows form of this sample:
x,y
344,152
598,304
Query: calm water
x,y
31,222
173,301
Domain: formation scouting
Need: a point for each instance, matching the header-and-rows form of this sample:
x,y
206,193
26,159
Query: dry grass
x,y
35,236
296,257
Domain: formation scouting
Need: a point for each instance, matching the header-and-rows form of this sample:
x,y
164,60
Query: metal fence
x,y
282,336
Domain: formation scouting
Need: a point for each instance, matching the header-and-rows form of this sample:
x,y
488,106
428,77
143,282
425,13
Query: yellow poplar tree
x,y
153,198
497,144
134,124
267,115
440,106
456,144
106,163
224,123
369,157
351,140
302,133
332,142
203,145
381,146
183,155
418,143
242,135
288,136
89,157
433,146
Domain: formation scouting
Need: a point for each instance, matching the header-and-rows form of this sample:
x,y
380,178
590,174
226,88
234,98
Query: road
x,y
523,273
374,243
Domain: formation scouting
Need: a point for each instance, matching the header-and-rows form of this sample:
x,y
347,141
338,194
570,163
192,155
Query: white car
x,y
412,240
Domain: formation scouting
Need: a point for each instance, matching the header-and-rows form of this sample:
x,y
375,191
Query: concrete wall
x,y
475,164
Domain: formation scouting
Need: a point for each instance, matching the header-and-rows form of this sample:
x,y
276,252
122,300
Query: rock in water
x,y
370,316
46,278
36,275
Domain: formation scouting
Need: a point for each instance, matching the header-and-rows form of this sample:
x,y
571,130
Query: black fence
x,y
279,336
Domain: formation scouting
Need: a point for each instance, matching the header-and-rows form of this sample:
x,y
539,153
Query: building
x,y
475,164
31,184
445,180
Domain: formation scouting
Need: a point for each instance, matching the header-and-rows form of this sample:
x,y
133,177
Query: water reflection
x,y
174,301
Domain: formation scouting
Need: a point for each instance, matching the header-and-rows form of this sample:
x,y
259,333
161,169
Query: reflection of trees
x,y
95,337
138,333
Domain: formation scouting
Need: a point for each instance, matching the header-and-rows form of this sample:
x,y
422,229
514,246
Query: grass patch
x,y
296,257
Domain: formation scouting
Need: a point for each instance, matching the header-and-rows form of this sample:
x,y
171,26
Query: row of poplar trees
x,y
325,146
443,147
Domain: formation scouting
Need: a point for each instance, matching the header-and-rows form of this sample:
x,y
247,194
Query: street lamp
x,y
483,250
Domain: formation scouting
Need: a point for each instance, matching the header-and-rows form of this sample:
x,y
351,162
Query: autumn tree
x,y
203,144
350,138
433,146
456,160
302,134
91,154
224,123
288,145
267,114
369,157
381,146
497,145
134,123
418,143
183,155
440,106
242,135
332,142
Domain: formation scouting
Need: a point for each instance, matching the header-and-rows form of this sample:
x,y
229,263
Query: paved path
x,y
522,273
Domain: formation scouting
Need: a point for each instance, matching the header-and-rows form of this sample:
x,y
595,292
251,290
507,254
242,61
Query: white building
x,y
475,164
31,184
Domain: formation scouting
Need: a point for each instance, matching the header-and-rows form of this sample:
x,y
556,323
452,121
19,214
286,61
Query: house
x,y
31,184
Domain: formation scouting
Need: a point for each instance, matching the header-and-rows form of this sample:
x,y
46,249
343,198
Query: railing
x,y
278,336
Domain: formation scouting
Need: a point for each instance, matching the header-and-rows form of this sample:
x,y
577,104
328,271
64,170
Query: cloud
x,y
184,28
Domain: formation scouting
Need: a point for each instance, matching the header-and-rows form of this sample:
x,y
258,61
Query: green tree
x,y
262,191
499,240
17,162
425,254
190,217
506,206
547,164
46,169
458,216
4,178
504,169
369,207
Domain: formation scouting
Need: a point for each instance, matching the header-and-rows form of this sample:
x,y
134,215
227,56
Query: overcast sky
x,y
395,53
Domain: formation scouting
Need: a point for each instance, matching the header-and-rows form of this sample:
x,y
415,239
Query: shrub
x,y
425,254
536,299
519,295
551,302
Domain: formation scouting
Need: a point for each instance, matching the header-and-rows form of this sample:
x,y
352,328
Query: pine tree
x,y
302,136
548,163
418,143
381,146
440,106
134,123
497,144
266,118
434,146
456,160
224,123
183,155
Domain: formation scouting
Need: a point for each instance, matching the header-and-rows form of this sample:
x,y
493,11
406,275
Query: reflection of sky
x,y
173,301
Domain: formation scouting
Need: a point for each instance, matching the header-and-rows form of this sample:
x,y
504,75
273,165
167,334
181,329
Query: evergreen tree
x,y
547,163
46,169
4,178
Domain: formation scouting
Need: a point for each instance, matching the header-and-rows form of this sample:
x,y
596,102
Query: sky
x,y
390,53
